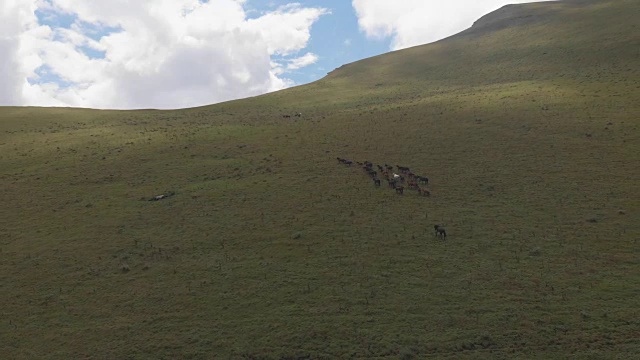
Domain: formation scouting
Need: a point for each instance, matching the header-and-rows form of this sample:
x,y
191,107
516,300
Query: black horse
x,y
440,231
376,182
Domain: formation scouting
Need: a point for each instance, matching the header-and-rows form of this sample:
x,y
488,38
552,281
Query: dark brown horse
x,y
440,231
400,190
403,169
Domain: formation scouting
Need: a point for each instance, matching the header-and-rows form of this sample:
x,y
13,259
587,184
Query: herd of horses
x,y
405,178
396,181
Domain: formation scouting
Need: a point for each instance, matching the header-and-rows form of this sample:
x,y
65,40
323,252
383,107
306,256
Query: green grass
x,y
272,249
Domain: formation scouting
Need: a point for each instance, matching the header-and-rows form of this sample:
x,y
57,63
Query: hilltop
x,y
266,246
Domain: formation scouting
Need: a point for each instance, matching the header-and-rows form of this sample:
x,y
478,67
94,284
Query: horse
x,y
412,185
392,183
440,231
424,192
423,179
376,182
400,190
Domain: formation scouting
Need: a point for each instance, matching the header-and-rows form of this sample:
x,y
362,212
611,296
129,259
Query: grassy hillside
x,y
526,125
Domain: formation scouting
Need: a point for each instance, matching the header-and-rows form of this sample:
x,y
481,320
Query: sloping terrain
x,y
268,247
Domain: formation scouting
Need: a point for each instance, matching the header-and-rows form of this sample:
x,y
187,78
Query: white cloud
x,y
164,54
287,29
300,62
15,19
416,22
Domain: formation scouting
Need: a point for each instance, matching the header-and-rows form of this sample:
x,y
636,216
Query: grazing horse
x,y
392,183
396,176
440,231
412,185
423,179
403,169
400,190
376,182
424,192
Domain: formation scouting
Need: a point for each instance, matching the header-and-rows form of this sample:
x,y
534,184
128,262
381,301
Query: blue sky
x,y
337,40
131,54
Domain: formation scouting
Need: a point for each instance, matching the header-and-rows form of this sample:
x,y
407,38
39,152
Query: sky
x,y
167,54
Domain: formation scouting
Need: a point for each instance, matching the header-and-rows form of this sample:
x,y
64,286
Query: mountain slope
x,y
526,125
